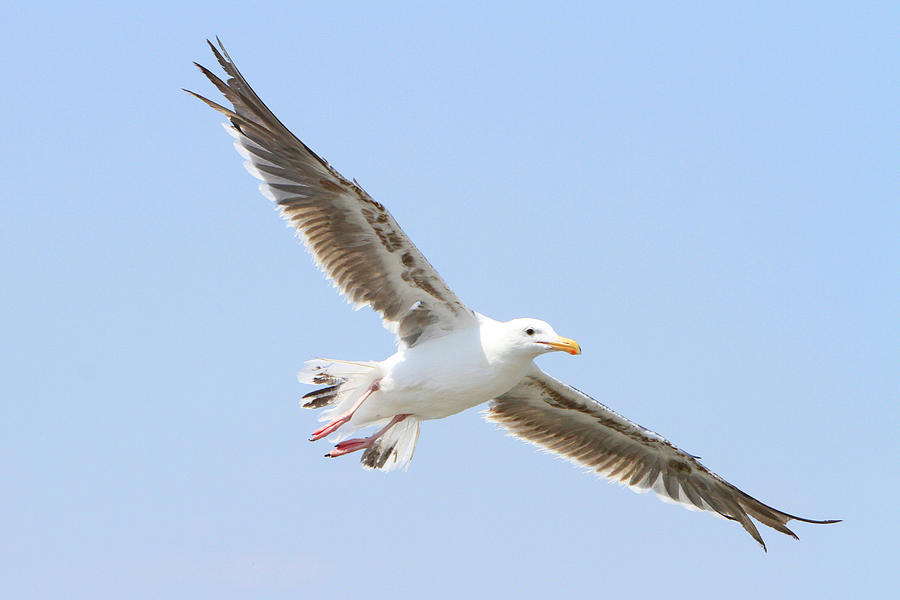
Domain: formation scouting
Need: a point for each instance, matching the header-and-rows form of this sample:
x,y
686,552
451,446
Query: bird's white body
x,y
445,375
437,377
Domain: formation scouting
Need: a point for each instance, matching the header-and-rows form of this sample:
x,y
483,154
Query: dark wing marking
x,y
567,422
353,238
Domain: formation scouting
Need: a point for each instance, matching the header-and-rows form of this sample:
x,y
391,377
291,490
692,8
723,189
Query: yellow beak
x,y
566,345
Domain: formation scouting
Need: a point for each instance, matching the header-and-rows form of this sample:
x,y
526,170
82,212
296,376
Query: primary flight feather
x,y
449,357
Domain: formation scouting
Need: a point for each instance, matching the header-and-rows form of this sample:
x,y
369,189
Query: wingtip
x,y
198,96
817,522
204,70
221,53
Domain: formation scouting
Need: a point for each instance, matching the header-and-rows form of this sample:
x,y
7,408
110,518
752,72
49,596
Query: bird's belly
x,y
439,393
431,406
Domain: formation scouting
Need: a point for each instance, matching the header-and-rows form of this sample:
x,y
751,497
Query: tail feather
x,y
344,381
321,397
340,376
395,448
321,371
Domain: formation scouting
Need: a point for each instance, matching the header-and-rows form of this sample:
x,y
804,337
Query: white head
x,y
534,337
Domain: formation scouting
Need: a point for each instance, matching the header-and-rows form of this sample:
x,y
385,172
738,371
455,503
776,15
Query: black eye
x,y
529,331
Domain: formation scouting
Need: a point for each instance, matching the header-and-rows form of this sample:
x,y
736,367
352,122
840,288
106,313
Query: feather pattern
x,y
352,238
394,449
321,397
569,423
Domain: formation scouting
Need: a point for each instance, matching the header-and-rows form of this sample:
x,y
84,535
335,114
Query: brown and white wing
x,y
353,238
563,420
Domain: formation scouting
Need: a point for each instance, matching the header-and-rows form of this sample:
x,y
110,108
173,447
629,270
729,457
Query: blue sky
x,y
705,198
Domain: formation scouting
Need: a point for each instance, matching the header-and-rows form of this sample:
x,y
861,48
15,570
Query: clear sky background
x,y
705,197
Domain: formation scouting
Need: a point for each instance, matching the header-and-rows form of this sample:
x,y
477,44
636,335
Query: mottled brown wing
x,y
563,420
353,239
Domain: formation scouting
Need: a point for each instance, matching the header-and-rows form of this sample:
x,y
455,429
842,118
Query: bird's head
x,y
535,337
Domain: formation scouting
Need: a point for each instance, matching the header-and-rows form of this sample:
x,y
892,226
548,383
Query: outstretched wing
x,y
354,240
562,420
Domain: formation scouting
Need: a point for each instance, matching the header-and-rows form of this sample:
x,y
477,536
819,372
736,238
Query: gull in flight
x,y
449,357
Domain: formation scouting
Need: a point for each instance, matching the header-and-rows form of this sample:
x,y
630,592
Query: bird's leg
x,y
331,427
348,446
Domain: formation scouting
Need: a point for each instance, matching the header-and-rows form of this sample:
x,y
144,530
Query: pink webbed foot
x,y
348,446
352,445
328,429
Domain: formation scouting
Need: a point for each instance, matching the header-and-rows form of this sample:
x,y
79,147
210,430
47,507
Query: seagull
x,y
449,358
